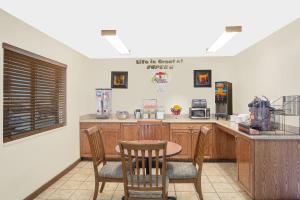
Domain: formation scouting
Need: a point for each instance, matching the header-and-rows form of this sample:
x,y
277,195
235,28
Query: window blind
x,y
34,95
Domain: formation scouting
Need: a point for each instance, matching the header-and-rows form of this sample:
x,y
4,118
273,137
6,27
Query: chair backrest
x,y
96,146
136,157
200,146
150,130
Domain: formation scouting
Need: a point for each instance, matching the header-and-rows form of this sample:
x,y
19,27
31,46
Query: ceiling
x,y
156,28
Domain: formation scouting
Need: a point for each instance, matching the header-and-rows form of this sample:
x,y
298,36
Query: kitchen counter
x,y
185,119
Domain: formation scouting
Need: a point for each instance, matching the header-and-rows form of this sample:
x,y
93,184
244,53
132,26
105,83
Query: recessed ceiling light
x,y
114,40
228,34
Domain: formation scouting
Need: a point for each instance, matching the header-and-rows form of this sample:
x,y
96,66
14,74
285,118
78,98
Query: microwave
x,y
199,113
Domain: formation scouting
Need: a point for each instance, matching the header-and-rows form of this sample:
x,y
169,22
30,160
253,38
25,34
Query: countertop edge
x,y
226,124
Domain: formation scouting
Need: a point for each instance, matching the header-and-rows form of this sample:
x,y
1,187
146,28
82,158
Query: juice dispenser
x,y
223,99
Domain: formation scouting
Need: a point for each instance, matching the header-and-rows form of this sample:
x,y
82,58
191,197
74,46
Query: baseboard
x,y
50,182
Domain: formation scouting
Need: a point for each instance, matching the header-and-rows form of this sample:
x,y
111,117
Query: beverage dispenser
x,y
103,99
223,99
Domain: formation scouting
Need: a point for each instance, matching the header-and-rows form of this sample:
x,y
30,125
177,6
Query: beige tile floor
x,y
218,183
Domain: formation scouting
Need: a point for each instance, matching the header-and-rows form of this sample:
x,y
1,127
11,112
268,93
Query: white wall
x,y
28,163
270,67
179,91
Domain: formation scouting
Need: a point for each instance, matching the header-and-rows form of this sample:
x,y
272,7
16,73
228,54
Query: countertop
x,y
185,119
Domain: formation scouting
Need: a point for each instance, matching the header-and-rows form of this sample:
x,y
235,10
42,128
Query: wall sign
x,y
160,70
154,64
160,77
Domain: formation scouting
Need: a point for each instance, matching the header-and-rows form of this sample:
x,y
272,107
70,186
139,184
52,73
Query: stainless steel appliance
x,y
223,99
103,99
199,109
199,103
199,113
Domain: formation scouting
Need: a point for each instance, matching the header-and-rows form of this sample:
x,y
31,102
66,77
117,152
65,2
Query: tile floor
x,y
218,183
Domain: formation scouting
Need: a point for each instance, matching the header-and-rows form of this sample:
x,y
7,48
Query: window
x,y
34,94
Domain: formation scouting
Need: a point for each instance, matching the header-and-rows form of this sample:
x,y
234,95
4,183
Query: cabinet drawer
x,y
103,126
85,125
109,126
196,126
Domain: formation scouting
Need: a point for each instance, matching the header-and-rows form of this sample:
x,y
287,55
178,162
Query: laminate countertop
x,y
232,126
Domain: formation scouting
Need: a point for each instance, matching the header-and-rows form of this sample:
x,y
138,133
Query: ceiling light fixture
x,y
228,34
114,40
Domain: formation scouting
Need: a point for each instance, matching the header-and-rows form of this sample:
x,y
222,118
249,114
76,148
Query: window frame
x,y
34,56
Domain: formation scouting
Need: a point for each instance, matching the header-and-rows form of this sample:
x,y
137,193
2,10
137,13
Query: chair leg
x,y
96,190
199,190
102,187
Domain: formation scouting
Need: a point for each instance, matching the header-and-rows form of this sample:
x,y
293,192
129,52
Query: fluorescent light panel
x,y
227,35
114,40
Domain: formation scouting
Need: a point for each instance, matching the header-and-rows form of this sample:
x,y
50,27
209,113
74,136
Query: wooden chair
x,y
137,183
150,130
110,171
190,172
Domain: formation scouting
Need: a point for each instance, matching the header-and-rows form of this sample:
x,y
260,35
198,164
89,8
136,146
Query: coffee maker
x,y
223,99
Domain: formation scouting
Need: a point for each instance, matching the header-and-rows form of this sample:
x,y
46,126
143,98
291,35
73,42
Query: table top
x,y
172,148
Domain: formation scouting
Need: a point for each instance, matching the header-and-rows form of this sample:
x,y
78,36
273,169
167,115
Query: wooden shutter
x,y
34,96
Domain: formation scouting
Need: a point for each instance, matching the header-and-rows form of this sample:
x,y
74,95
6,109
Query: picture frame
x,y
202,78
119,79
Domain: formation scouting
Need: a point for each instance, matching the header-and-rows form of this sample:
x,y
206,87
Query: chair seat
x,y
111,170
147,194
181,170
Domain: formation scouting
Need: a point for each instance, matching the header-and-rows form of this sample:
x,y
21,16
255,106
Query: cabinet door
x,y
129,132
150,131
165,132
208,145
224,144
110,140
110,133
85,151
183,138
244,162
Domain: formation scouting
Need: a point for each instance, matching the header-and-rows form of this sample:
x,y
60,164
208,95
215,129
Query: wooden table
x,y
172,148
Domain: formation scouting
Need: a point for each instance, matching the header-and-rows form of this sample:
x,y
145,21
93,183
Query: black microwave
x,y
199,113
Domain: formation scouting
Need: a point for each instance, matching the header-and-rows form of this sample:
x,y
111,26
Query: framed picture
x,y
119,79
202,78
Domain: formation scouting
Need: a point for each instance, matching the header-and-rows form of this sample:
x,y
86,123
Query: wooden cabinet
x,y
85,151
186,134
244,149
129,131
110,135
182,137
224,144
153,130
166,131
145,131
